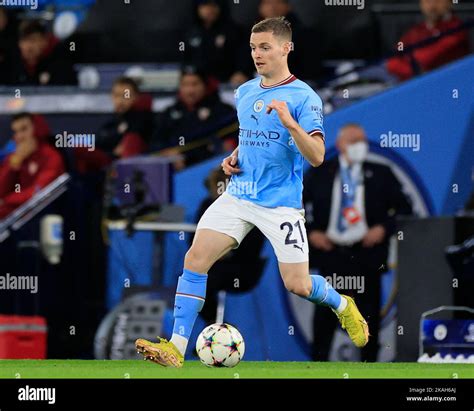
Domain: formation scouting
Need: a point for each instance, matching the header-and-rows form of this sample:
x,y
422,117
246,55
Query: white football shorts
x,y
283,226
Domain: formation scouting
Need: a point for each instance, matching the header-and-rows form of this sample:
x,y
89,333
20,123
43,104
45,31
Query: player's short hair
x,y
21,116
279,26
30,27
127,81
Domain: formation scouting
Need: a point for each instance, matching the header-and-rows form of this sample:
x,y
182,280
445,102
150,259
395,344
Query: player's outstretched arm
x,y
311,147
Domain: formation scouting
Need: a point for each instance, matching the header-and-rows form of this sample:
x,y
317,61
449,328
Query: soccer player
x,y
281,124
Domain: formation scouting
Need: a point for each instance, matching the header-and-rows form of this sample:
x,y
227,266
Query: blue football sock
x,y
323,293
189,300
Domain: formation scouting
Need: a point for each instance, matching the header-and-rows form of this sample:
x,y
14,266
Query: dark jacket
x,y
53,68
194,124
384,198
213,50
132,129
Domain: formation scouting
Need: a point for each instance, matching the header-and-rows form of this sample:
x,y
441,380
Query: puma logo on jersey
x,y
297,246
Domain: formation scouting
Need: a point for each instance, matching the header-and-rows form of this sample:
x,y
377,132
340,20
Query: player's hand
x,y
375,235
22,152
320,240
229,165
283,112
26,148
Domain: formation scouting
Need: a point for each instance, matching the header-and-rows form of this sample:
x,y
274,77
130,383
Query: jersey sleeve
x,y
310,115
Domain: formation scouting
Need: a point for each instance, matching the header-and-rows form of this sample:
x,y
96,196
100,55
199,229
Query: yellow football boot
x,y
163,352
352,321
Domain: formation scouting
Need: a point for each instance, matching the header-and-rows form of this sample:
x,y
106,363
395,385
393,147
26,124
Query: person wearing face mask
x,y
351,206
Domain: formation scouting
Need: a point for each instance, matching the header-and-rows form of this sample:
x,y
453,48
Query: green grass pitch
x,y
246,369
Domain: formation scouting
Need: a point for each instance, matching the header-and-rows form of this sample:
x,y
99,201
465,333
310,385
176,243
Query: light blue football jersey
x,y
271,164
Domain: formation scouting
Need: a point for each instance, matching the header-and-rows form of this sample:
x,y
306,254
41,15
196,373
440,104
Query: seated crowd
x,y
197,125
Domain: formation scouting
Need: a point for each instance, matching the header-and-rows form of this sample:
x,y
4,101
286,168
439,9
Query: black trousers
x,y
341,263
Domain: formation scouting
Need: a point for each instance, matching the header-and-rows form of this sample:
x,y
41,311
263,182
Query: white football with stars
x,y
220,345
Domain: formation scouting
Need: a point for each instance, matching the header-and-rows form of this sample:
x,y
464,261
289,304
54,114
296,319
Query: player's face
x,y
23,130
434,10
269,53
123,98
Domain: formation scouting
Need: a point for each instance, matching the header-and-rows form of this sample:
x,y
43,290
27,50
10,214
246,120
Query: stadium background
x,y
90,279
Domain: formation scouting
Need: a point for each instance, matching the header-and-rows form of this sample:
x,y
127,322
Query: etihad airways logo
x,y
258,134
257,138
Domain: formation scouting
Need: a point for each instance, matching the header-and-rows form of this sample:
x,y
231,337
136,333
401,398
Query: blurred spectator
x,y
193,121
39,60
352,205
32,166
438,18
41,131
127,134
305,60
213,41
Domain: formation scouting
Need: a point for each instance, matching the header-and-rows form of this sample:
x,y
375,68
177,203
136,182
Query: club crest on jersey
x,y
258,106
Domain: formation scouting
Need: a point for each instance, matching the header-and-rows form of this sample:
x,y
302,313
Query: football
x,y
220,345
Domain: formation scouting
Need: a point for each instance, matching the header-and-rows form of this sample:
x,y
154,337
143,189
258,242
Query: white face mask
x,y
357,152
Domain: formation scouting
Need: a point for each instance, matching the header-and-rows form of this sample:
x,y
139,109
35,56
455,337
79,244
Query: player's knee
x,y
298,286
196,261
